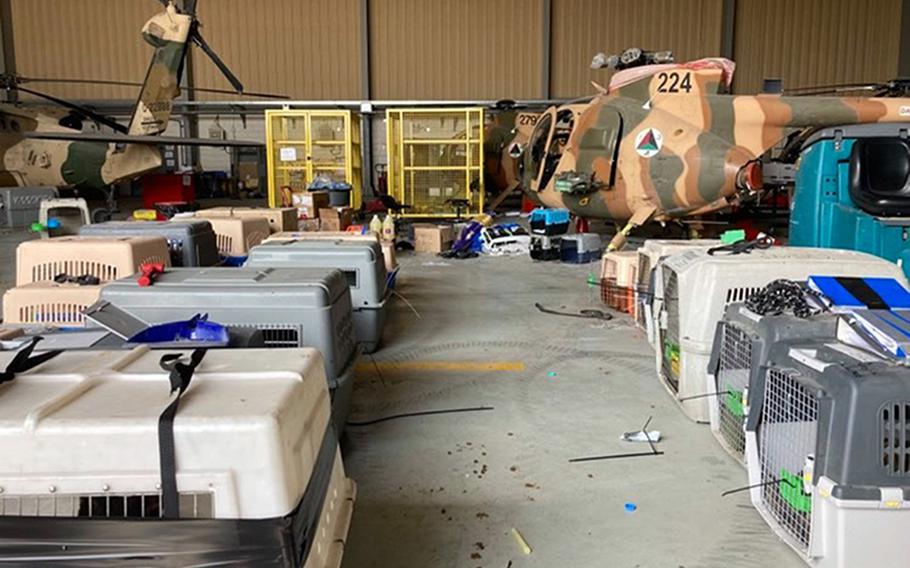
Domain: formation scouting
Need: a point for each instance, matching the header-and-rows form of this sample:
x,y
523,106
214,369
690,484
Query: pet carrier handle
x,y
180,376
23,361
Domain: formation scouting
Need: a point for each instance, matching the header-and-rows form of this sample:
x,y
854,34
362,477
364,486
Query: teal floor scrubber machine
x,y
852,191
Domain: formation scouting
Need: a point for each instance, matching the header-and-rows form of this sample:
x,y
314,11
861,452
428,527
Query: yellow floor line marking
x,y
470,366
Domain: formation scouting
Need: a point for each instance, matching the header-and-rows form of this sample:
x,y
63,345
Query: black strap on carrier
x,y
23,361
180,376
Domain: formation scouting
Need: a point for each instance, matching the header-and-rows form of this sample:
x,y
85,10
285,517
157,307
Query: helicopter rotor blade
x,y
99,118
136,84
221,65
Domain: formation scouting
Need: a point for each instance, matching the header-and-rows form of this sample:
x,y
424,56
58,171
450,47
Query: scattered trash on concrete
x,y
631,507
641,436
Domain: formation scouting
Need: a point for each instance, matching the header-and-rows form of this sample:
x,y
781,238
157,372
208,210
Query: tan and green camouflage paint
x,y
96,165
707,138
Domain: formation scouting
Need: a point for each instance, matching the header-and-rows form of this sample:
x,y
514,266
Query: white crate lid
x,y
248,429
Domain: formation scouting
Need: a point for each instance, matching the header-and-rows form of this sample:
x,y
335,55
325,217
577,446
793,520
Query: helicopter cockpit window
x,y
537,146
565,120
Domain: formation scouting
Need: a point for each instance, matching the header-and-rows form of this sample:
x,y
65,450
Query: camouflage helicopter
x,y
41,147
666,142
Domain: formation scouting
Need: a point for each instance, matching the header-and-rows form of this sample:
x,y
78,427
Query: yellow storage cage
x,y
436,160
303,144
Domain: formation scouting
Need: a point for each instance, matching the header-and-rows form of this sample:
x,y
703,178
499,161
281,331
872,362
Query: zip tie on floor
x,y
405,300
421,413
525,547
585,314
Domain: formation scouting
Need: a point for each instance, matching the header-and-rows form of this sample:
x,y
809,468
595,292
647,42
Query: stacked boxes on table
x,y
360,261
191,241
547,227
294,307
56,279
254,474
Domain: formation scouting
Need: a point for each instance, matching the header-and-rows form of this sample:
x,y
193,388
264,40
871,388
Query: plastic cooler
x,y
742,341
280,219
106,258
259,477
696,287
191,242
651,252
829,462
294,307
388,247
580,248
361,263
236,235
618,275
49,304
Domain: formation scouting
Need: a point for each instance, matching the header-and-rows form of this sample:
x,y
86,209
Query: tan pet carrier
x,y
105,258
618,275
279,218
237,235
49,304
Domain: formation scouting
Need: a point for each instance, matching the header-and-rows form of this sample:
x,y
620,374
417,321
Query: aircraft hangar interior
x,y
461,284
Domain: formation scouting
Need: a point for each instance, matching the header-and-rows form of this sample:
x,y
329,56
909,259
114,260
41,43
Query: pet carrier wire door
x,y
829,463
436,159
303,144
618,275
649,256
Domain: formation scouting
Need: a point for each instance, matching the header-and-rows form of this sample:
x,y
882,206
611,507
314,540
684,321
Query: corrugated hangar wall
x,y
459,49
581,28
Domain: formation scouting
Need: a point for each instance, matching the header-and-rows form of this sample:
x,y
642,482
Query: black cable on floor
x,y
420,413
585,314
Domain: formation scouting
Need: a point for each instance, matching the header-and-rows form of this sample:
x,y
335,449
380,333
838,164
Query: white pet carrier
x,y
651,252
618,276
742,341
256,471
696,287
829,455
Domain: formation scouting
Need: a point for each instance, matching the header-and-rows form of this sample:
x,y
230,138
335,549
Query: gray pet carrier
x,y
191,241
829,454
742,340
362,264
294,307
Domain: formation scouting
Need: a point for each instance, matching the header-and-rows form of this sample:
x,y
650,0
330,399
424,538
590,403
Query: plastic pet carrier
x,y
49,304
388,247
742,342
549,222
105,258
618,275
361,263
580,248
649,256
545,248
697,287
236,235
294,307
828,453
280,219
191,241
19,206
104,466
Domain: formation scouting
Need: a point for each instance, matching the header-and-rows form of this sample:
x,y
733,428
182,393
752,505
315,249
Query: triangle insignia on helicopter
x,y
648,142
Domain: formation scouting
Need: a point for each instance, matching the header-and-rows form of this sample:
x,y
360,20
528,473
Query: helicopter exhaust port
x,y
750,177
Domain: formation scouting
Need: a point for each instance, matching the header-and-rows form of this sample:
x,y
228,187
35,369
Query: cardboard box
x,y
336,218
433,238
308,203
308,225
388,255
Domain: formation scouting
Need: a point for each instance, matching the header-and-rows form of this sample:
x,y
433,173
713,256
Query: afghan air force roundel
x,y
648,142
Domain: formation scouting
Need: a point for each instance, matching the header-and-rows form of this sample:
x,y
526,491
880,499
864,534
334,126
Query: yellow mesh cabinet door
x,y
436,160
303,144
